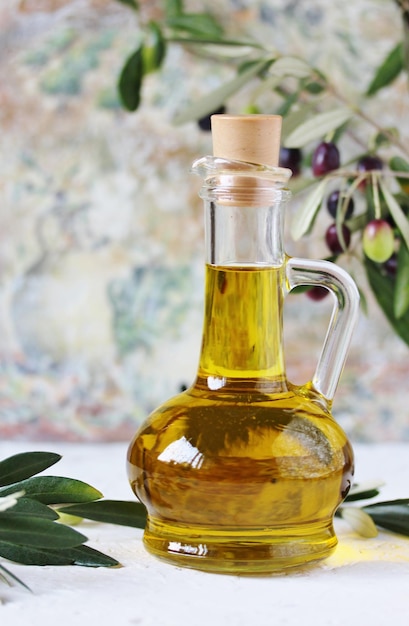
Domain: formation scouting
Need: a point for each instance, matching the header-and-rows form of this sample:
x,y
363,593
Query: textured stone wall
x,y
101,236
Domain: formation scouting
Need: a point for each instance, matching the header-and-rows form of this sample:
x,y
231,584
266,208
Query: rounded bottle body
x,y
241,480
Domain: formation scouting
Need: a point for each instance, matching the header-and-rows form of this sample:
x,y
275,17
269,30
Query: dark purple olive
x,y
325,158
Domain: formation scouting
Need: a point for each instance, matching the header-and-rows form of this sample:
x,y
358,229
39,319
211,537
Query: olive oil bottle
x,y
243,472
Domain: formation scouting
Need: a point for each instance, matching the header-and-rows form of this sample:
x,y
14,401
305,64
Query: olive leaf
x,y
305,215
25,465
405,43
225,49
196,24
54,490
294,118
383,288
285,108
401,294
392,515
153,49
389,69
29,528
173,7
318,127
77,555
10,501
130,80
398,164
399,217
130,3
39,532
32,508
317,84
123,513
291,66
364,491
360,521
218,97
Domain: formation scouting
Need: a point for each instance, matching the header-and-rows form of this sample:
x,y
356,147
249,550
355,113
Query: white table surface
x,y
365,582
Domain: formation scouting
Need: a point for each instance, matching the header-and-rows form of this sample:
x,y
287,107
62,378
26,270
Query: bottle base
x,y
245,552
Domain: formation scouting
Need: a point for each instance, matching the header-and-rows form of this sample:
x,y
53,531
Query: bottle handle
x,y
343,319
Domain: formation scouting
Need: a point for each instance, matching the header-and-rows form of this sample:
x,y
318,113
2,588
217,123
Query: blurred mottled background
x,y
101,238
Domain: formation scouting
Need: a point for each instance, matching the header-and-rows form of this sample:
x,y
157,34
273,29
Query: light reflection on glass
x,y
182,451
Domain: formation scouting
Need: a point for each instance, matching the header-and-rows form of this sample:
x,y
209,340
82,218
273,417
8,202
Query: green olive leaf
x,y
118,512
130,3
383,289
399,217
173,7
401,295
360,521
316,85
130,80
405,42
304,217
389,69
27,507
218,97
38,532
291,66
54,490
196,24
78,555
285,108
225,49
153,49
392,515
29,555
293,118
89,557
364,491
24,465
398,164
317,127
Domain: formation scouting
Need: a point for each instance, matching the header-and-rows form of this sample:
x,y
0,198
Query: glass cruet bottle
x,y
243,471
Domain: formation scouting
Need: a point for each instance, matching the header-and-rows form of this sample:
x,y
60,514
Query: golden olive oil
x,y
243,471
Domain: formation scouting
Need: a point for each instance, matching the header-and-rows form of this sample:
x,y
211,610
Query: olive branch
x,y
32,505
316,117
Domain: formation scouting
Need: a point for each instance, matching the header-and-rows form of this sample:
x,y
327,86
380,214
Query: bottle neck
x,y
244,236
245,278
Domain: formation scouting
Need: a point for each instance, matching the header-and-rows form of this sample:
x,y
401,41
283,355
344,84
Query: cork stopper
x,y
253,138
